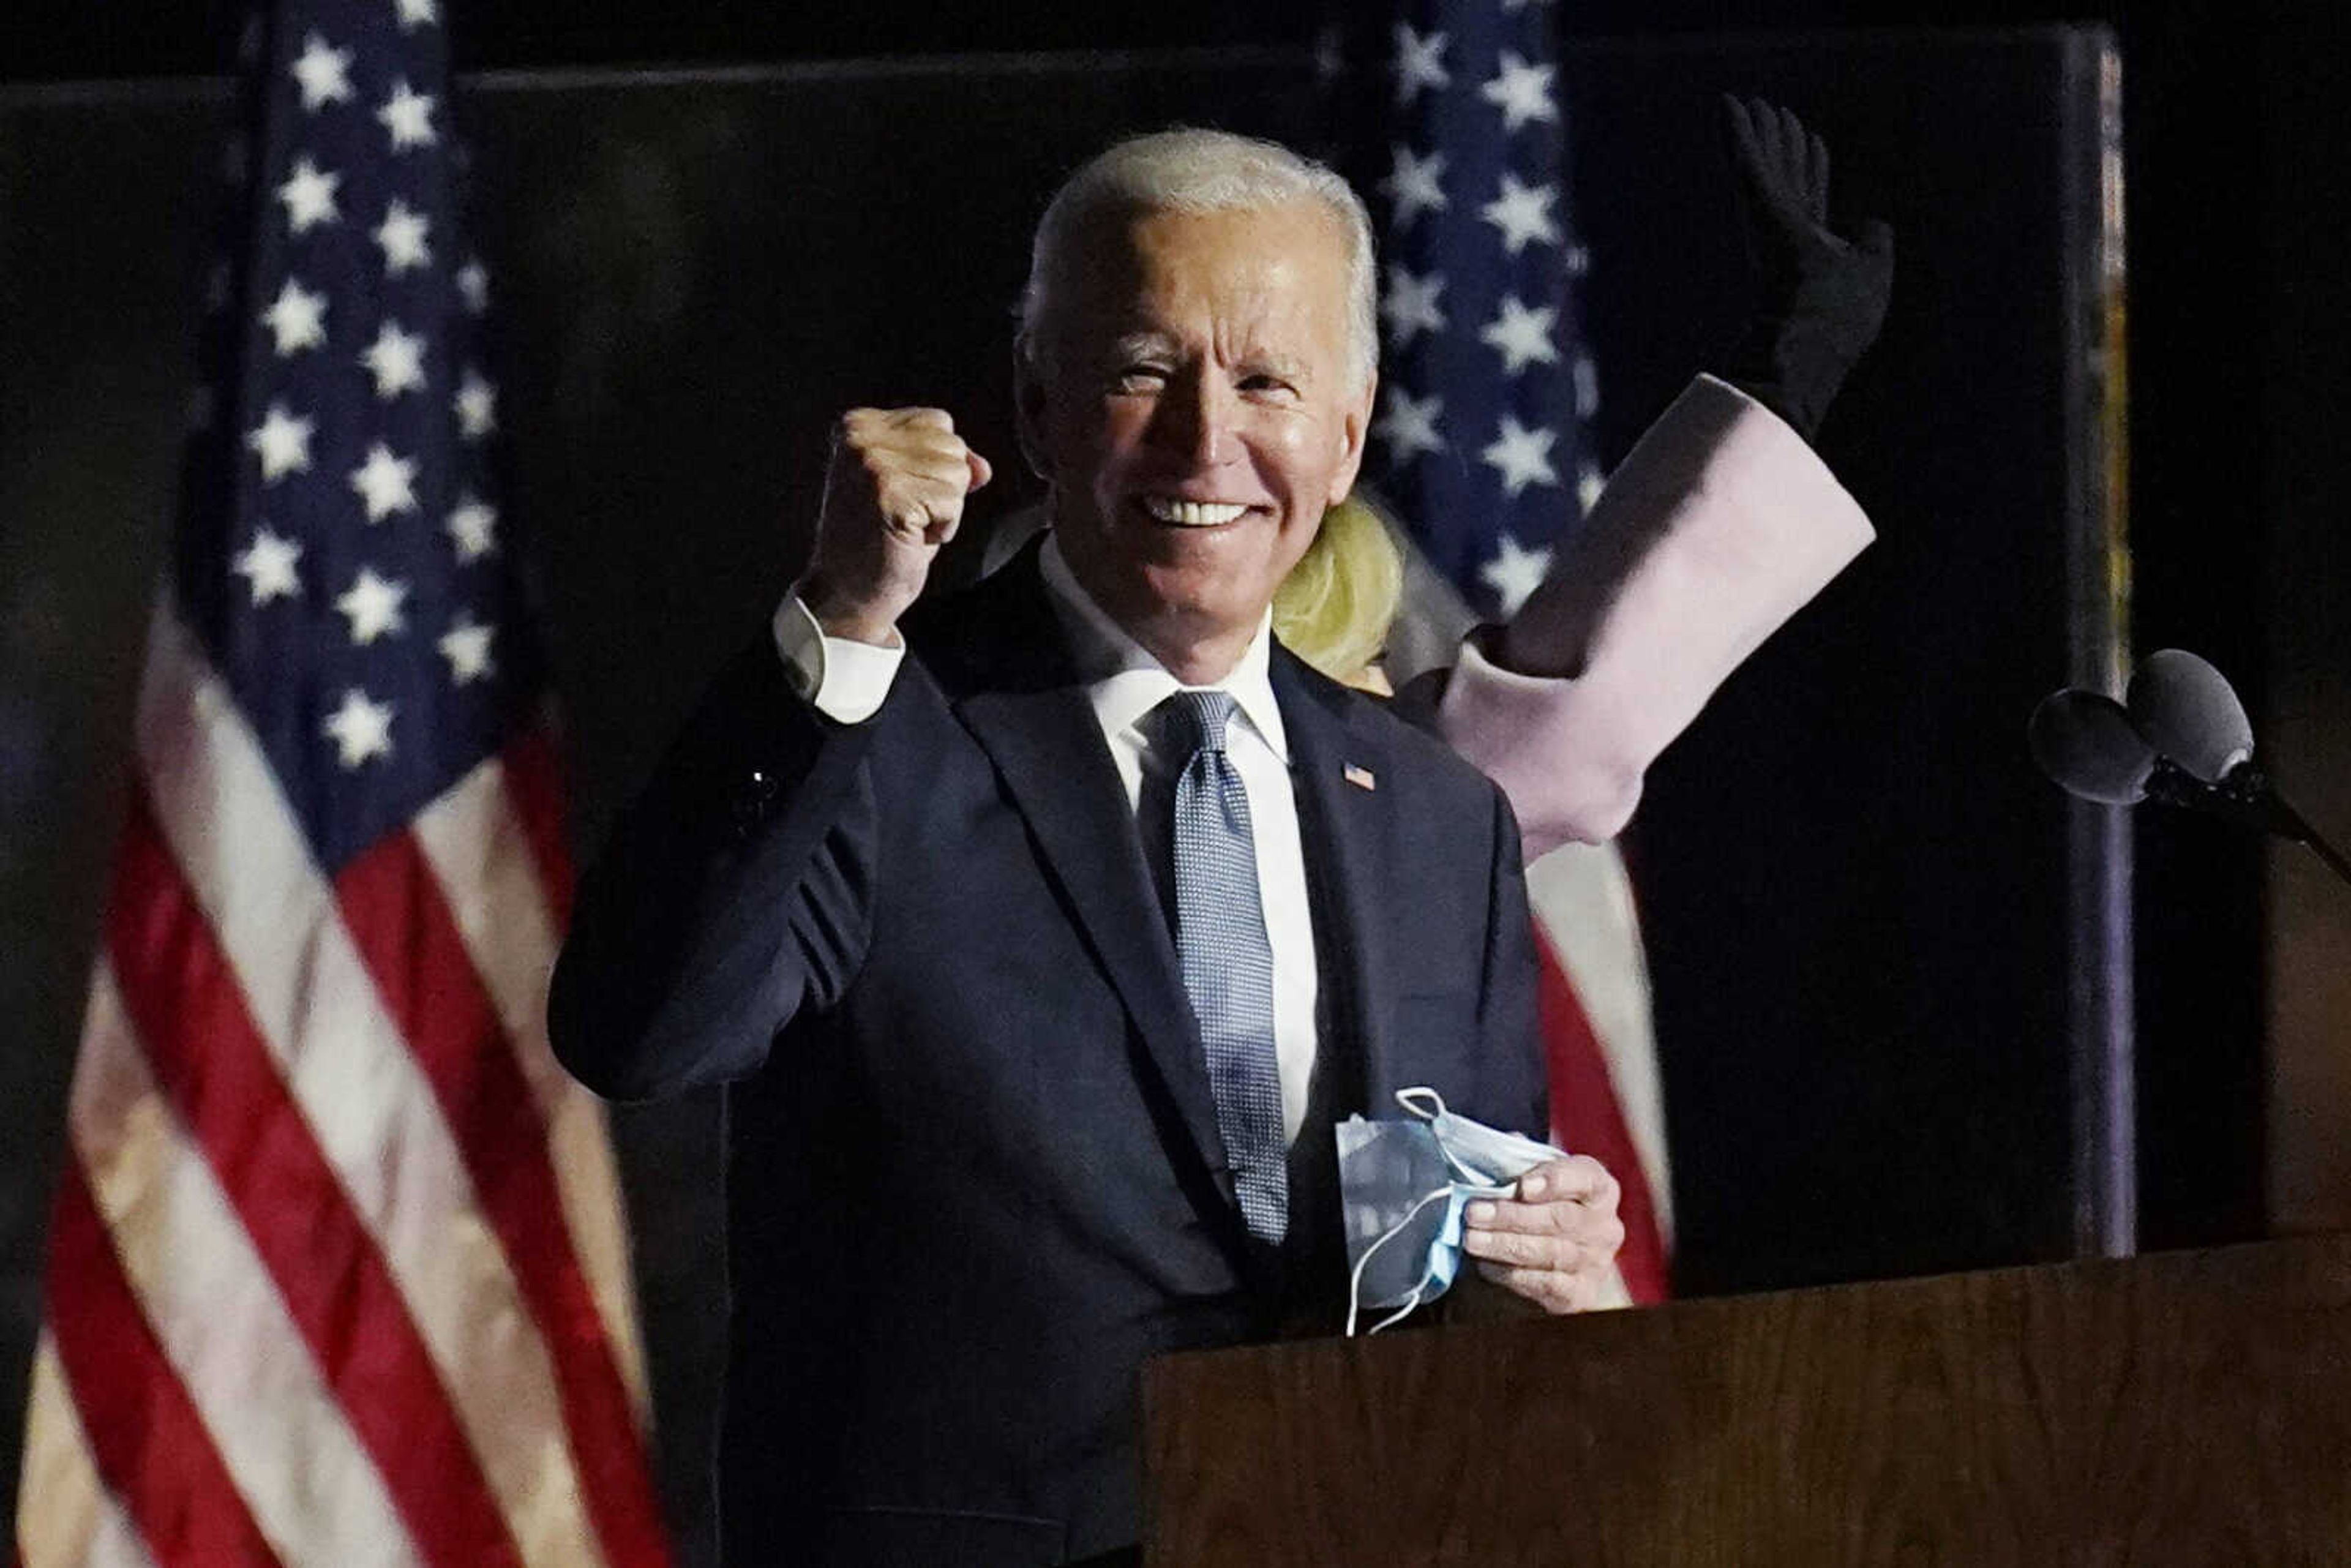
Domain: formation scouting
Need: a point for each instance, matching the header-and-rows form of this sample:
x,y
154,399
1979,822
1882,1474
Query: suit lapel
x,y
1348,825
1031,715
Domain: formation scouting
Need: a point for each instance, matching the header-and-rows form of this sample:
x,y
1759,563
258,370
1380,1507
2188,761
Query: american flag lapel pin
x,y
1361,777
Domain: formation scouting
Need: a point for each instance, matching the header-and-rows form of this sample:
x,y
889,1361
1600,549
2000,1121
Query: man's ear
x,y
1355,429
1029,411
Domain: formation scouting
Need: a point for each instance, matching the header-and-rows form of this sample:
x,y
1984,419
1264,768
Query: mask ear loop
x,y
1417,1100
1355,1279
1410,1306
1426,1104
1470,1174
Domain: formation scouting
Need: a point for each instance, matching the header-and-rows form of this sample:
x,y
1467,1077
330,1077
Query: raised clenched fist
x,y
893,492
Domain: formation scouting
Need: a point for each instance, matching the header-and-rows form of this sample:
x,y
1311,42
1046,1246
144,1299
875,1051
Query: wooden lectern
x,y
2182,1408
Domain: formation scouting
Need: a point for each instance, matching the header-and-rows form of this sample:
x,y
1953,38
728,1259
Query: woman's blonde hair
x,y
1335,607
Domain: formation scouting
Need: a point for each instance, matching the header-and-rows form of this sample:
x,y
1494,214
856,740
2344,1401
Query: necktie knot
x,y
1195,721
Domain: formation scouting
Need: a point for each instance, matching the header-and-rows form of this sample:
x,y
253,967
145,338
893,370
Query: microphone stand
x,y
2244,796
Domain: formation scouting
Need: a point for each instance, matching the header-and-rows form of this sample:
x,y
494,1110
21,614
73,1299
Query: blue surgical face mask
x,y
1442,1255
1479,1152
1392,1176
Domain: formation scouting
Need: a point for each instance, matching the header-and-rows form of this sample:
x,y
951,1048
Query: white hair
x,y
1191,171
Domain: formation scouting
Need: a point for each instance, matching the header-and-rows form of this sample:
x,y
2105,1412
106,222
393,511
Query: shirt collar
x,y
1124,682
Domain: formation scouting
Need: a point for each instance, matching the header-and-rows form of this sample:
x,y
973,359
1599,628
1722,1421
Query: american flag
x,y
1449,118
338,1274
1457,132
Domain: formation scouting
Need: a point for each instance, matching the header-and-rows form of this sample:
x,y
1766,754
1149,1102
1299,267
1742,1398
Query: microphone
x,y
2183,740
2085,742
2190,712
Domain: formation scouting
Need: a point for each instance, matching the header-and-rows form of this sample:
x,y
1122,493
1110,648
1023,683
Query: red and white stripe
x,y
1606,1097
338,1275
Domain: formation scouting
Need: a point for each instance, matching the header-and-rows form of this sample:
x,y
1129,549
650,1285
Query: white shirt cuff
x,y
847,680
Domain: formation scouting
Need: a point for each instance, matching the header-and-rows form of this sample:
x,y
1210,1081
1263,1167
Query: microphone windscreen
x,y
2085,743
2186,711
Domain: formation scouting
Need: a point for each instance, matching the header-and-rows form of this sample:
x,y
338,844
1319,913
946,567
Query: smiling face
x,y
1195,414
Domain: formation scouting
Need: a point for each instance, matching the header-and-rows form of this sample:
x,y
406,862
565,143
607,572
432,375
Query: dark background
x,y
2238,476
2235,138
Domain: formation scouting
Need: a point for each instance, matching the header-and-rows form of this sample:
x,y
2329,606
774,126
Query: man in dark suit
x,y
1046,931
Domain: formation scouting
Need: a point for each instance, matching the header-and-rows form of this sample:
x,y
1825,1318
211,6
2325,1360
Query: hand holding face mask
x,y
1556,1241
1539,1222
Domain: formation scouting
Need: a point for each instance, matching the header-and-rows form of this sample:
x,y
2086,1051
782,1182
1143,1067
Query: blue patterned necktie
x,y
1227,961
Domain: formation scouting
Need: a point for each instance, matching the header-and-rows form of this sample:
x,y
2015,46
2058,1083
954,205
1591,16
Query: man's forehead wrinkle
x,y
1148,282
1133,344
1240,349
1245,328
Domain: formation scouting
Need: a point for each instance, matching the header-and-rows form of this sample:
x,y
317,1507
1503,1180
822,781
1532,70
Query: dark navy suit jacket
x,y
976,1177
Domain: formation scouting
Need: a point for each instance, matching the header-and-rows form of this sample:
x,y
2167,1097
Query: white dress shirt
x,y
849,680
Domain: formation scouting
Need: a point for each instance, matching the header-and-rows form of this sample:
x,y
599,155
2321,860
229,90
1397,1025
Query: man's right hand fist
x,y
893,492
